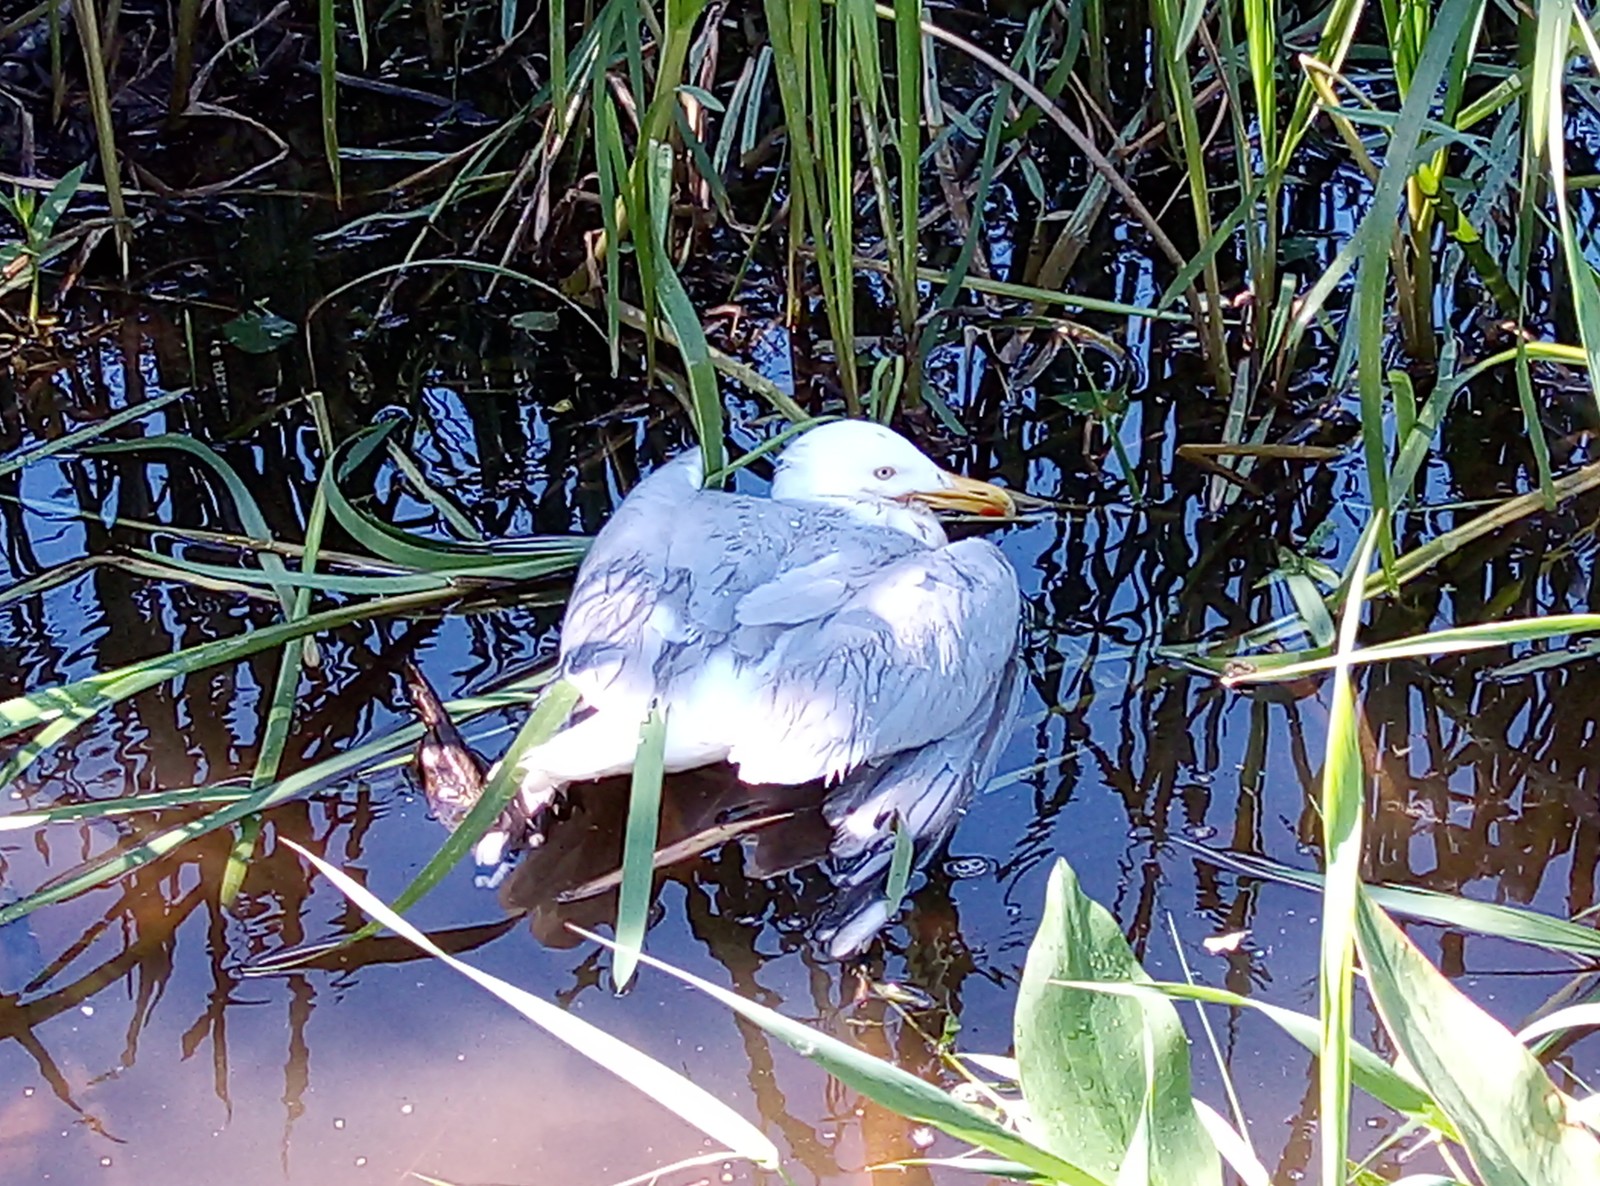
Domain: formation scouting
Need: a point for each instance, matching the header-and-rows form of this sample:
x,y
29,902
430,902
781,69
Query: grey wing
x,y
926,789
657,597
608,646
900,661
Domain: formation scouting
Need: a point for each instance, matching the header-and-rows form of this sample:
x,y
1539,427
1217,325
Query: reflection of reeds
x,y
888,163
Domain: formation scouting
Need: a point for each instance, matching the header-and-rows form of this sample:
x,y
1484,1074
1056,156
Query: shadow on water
x,y
133,1044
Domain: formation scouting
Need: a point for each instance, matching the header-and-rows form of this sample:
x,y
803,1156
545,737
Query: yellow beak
x,y
968,495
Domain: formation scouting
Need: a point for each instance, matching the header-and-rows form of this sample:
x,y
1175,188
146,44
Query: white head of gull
x,y
827,631
877,475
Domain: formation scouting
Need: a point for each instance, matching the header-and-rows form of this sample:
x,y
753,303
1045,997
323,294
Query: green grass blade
x,y
908,143
1534,423
363,586
547,717
244,848
103,870
899,866
1028,292
244,503
359,9
557,14
639,847
1511,923
1343,808
883,1082
280,707
86,20
421,553
690,335
1427,646
31,750
611,169
327,73
296,653
104,689
432,495
1572,1017
667,1087
124,805
90,432
1368,248
365,759
1549,68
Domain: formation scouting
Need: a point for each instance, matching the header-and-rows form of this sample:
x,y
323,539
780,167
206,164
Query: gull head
x,y
877,475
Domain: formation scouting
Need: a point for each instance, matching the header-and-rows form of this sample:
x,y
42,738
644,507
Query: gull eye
x,y
883,473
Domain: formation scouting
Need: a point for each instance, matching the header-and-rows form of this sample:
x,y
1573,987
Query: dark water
x,y
134,1049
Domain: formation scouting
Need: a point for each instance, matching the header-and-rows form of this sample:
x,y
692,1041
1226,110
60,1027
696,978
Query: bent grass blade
x,y
883,1082
667,1087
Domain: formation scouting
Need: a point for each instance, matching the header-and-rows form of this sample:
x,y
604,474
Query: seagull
x,y
829,632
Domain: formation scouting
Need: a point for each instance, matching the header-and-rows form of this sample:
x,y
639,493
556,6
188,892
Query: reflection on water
x,y
134,1044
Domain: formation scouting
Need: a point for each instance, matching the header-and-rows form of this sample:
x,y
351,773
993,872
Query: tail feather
x,y
928,790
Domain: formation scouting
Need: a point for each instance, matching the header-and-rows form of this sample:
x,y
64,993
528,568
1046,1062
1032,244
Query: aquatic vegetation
x,y
1159,264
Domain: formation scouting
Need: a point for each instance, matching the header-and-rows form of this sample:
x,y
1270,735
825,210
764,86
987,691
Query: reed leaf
x,y
639,846
1342,808
90,433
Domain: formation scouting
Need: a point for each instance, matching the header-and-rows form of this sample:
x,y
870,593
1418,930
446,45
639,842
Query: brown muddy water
x,y
134,1048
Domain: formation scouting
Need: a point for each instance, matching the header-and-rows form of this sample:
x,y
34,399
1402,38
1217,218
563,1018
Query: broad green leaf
x,y
258,331
884,1083
667,1087
1513,1121
1393,1086
1081,1054
55,205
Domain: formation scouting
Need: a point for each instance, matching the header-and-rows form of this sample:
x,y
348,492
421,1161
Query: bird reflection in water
x,y
838,841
